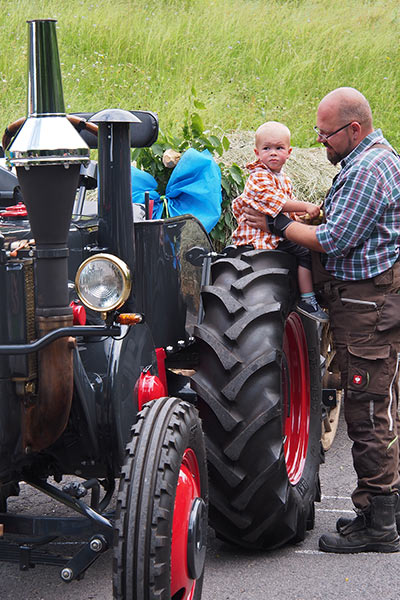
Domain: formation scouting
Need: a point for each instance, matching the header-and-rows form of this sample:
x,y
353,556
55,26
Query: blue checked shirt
x,y
361,236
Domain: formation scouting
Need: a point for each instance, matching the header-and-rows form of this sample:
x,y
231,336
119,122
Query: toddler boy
x,y
269,191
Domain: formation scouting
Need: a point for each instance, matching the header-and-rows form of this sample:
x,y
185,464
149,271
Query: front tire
x,y
258,383
161,517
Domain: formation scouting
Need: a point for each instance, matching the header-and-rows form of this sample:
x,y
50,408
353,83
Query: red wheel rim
x,y
296,397
189,488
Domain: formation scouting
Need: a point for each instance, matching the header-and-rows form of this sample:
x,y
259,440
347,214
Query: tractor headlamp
x,y
103,282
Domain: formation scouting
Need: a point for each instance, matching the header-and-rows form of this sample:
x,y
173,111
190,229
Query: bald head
x,y
344,119
272,128
273,145
347,104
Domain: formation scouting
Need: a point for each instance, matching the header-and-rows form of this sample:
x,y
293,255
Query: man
x,y
357,273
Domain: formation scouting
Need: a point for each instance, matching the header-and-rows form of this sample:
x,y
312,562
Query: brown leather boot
x,y
378,533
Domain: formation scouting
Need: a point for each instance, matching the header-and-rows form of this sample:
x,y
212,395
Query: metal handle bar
x,y
82,330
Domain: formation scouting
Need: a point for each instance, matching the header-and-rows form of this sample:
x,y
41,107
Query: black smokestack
x,y
116,231
47,153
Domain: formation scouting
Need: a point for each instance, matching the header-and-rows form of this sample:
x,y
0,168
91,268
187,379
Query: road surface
x,y
298,572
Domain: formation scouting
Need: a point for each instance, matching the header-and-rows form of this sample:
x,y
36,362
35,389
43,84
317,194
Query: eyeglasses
x,y
325,136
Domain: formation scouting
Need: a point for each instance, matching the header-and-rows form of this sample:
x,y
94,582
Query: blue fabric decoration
x,y
193,188
144,182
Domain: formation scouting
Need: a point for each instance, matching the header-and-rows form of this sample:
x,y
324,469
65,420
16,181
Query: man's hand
x,y
266,223
305,235
255,219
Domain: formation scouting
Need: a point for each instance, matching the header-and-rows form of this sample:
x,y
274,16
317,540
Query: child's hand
x,y
308,219
312,210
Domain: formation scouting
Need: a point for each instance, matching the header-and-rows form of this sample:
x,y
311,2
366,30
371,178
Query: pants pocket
x,y
389,317
368,369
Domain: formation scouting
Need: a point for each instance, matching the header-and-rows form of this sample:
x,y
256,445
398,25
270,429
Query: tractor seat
x,y
143,134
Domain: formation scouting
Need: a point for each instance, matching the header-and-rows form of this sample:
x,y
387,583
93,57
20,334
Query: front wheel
x,y
161,516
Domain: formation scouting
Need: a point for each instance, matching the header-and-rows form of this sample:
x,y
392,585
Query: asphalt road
x,y
298,572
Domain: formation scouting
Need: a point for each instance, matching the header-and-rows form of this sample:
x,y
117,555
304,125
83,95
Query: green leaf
x,y
197,124
235,168
175,141
157,149
199,105
136,153
228,219
237,177
226,186
184,145
226,143
214,140
193,91
217,236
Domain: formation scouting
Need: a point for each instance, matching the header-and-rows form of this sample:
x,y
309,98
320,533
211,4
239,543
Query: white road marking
x,y
334,510
309,552
336,497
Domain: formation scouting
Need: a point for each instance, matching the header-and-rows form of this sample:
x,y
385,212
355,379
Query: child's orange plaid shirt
x,y
266,192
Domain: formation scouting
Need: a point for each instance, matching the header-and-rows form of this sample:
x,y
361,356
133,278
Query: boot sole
x,y
376,547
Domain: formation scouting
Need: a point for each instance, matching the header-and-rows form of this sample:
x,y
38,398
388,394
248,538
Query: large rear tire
x,y
161,516
259,389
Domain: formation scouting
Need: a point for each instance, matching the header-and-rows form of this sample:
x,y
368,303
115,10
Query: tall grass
x,y
249,60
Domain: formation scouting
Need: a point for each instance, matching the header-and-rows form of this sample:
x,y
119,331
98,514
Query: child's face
x,y
273,149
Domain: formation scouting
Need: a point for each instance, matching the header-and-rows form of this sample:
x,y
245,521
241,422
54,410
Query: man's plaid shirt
x,y
266,192
361,236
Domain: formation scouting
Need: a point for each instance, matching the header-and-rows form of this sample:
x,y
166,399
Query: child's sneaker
x,y
311,308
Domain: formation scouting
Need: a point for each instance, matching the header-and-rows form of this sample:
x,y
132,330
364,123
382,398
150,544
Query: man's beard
x,y
334,157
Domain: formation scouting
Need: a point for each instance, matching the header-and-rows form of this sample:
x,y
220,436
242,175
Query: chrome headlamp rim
x,y
126,278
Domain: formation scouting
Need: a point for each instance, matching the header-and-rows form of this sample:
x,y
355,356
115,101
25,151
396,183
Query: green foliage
x,y
194,135
232,180
250,60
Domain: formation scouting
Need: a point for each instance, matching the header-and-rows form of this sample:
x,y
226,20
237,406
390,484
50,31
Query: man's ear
x,y
290,151
356,130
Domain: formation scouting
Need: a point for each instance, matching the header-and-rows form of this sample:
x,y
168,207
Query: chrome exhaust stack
x,y
46,137
47,153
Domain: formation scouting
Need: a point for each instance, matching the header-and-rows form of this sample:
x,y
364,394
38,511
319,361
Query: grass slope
x,y
249,60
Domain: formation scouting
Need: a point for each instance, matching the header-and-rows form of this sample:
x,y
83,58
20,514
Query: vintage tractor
x,y
74,382
104,311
